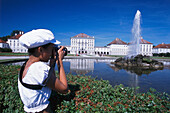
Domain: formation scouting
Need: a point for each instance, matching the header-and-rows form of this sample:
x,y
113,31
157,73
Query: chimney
x,y
117,39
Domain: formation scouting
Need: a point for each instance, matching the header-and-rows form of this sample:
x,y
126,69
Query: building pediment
x,y
117,41
82,35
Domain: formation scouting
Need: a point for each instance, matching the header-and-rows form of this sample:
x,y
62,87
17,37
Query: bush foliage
x,y
5,50
162,54
86,95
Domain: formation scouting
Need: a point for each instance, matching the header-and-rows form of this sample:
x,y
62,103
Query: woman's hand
x,y
59,84
61,53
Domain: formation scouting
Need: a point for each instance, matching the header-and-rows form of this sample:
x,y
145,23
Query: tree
x,y
5,50
15,31
5,38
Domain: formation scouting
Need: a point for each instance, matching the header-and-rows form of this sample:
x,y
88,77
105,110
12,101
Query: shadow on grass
x,y
56,99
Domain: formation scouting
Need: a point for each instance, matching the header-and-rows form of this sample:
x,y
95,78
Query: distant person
x,y
37,79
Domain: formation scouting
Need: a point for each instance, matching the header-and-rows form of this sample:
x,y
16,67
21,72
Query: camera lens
x,y
65,49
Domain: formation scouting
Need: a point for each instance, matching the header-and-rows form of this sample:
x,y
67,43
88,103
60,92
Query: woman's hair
x,y
32,50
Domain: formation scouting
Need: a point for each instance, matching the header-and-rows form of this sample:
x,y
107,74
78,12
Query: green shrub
x,y
86,95
5,50
99,96
162,54
9,96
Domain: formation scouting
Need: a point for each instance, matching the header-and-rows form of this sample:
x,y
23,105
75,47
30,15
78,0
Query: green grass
x,y
86,95
160,57
13,54
115,55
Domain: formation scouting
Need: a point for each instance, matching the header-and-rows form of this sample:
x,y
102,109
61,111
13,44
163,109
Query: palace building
x,y
145,47
82,44
3,44
118,47
15,45
85,44
162,48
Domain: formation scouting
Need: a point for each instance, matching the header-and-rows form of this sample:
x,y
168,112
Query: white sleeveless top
x,y
35,100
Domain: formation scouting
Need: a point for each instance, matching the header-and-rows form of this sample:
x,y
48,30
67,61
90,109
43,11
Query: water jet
x,y
134,57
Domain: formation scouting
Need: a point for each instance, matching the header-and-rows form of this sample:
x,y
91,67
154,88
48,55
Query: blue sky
x,y
103,19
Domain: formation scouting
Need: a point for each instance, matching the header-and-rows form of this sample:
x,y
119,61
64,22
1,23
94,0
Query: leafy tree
x,y
5,38
5,50
15,31
162,54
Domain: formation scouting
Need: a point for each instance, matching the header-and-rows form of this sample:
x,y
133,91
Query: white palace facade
x,y
3,44
85,44
82,44
14,44
162,48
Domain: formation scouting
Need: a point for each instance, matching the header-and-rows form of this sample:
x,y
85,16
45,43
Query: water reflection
x,y
136,70
84,66
103,69
81,66
166,65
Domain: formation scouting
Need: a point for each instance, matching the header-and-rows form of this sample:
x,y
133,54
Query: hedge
x,y
86,95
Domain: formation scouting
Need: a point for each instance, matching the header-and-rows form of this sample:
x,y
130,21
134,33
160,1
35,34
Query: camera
x,y
58,47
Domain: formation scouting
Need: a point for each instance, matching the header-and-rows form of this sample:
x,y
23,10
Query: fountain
x,y
134,57
134,48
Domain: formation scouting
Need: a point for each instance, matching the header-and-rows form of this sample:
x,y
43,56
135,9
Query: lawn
x,y
13,54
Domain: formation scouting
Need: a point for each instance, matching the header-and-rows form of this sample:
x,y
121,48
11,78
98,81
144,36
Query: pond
x,y
103,69
131,77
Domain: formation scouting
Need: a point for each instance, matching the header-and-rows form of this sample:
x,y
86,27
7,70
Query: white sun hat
x,y
36,38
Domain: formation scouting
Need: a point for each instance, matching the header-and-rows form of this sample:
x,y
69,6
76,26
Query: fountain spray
x,y
134,47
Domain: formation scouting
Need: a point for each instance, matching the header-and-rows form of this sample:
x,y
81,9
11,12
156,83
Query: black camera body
x,y
64,49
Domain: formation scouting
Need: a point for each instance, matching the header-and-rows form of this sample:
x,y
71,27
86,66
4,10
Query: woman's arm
x,y
59,84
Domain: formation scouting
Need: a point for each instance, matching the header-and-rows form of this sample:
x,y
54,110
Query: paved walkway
x,y
66,57
13,57
71,57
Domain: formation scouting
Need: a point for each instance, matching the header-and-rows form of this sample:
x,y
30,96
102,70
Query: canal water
x,y
131,77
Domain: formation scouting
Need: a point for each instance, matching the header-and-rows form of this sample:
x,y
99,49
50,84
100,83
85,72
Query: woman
x,y
37,79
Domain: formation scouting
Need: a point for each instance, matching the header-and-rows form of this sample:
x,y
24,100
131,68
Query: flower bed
x,y
86,95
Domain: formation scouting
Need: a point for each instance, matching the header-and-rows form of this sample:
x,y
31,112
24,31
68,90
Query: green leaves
x,y
9,95
99,96
87,95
